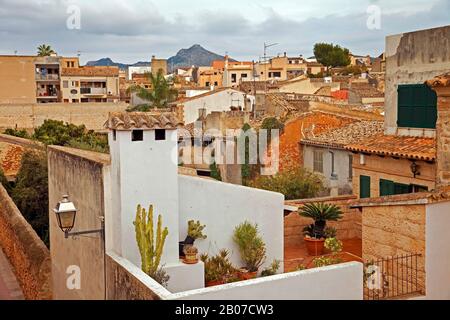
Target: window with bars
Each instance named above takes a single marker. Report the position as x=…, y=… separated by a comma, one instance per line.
x=318, y=161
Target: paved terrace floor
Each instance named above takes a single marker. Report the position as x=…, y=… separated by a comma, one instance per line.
x=9, y=287
x=297, y=255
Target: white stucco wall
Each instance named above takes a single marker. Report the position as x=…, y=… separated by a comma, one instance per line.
x=222, y=207
x=341, y=164
x=142, y=172
x=337, y=282
x=219, y=101
x=437, y=242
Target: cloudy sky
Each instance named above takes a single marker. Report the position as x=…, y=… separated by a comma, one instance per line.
x=133, y=30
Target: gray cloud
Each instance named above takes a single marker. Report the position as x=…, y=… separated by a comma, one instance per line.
x=128, y=32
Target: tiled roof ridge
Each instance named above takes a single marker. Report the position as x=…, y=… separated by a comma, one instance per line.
x=142, y=120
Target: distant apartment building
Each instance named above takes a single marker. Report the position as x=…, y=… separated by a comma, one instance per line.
x=210, y=78
x=236, y=73
x=29, y=79
x=90, y=84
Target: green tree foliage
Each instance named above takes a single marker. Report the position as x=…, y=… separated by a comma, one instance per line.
x=215, y=172
x=45, y=50
x=31, y=192
x=53, y=132
x=294, y=183
x=159, y=96
x=271, y=123
x=17, y=133
x=246, y=171
x=331, y=55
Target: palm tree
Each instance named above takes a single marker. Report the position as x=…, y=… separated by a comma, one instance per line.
x=45, y=50
x=159, y=95
x=320, y=213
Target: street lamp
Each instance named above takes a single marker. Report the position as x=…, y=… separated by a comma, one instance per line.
x=66, y=212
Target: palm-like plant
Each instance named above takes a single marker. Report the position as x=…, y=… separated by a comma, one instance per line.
x=320, y=213
x=45, y=50
x=160, y=94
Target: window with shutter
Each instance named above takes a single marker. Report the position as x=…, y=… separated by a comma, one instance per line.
x=364, y=186
x=387, y=187
x=416, y=106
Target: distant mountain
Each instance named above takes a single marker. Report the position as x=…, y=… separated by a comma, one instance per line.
x=195, y=55
x=107, y=62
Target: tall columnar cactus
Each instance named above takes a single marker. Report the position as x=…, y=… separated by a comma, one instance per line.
x=151, y=249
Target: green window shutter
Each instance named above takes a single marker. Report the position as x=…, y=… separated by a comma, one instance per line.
x=387, y=188
x=400, y=188
x=364, y=187
x=417, y=106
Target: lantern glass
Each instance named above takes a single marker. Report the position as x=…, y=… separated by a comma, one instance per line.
x=65, y=214
x=66, y=220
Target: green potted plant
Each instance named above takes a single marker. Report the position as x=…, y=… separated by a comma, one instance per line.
x=315, y=233
x=218, y=268
x=272, y=269
x=333, y=245
x=190, y=255
x=251, y=248
x=195, y=231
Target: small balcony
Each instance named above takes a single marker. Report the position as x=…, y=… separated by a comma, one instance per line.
x=47, y=77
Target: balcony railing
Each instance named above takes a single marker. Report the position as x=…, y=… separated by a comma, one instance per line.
x=47, y=77
x=93, y=91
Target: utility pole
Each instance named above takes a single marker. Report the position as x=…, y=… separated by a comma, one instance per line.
x=265, y=58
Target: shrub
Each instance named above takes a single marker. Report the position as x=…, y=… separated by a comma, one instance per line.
x=294, y=183
x=53, y=132
x=17, y=133
x=215, y=172
x=251, y=246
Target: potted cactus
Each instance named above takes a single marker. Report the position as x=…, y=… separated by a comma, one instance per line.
x=218, y=269
x=190, y=255
x=195, y=231
x=316, y=233
x=251, y=248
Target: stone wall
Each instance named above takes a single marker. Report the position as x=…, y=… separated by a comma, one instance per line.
x=392, y=230
x=25, y=251
x=443, y=137
x=347, y=228
x=29, y=116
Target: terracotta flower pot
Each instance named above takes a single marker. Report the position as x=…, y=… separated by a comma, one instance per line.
x=314, y=246
x=244, y=274
x=214, y=283
x=190, y=258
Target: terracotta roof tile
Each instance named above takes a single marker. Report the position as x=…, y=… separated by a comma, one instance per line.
x=11, y=157
x=440, y=81
x=398, y=146
x=142, y=120
x=351, y=133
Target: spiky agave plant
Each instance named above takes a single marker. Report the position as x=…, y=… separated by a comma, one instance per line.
x=320, y=213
